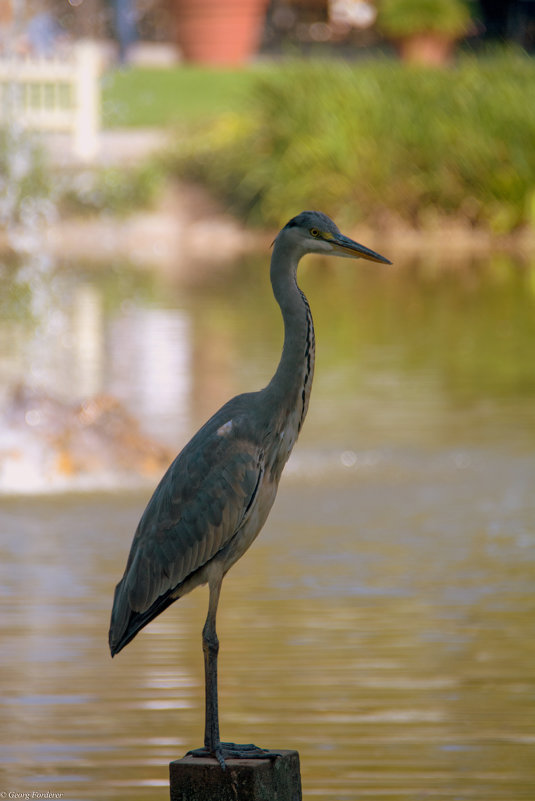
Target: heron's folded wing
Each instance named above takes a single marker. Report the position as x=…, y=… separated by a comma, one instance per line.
x=199, y=505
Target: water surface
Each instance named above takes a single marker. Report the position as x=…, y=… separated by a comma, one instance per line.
x=383, y=622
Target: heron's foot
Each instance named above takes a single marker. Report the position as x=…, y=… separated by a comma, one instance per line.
x=225, y=751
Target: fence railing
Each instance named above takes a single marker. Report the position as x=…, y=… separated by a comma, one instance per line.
x=60, y=94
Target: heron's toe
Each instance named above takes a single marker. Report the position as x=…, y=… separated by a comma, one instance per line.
x=247, y=751
x=226, y=751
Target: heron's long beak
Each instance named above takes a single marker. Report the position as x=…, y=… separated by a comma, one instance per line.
x=347, y=247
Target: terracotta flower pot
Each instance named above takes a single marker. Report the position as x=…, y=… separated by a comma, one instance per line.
x=427, y=48
x=219, y=32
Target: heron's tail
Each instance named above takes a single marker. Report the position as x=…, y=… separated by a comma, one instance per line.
x=125, y=622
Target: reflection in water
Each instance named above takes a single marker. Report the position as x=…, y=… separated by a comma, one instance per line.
x=139, y=355
x=87, y=341
x=149, y=366
x=75, y=355
x=382, y=624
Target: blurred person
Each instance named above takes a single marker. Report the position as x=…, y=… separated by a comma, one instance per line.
x=124, y=23
x=39, y=32
x=42, y=34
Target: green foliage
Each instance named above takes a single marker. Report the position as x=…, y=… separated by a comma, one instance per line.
x=401, y=18
x=364, y=139
x=111, y=190
x=25, y=184
x=29, y=194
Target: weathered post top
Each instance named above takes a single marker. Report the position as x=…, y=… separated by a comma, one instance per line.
x=199, y=779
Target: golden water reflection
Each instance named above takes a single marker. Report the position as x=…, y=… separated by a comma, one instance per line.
x=383, y=632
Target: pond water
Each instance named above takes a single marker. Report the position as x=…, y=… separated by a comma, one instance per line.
x=383, y=622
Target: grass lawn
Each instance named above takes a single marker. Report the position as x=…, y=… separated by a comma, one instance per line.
x=151, y=97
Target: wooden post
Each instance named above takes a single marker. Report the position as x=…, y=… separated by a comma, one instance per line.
x=199, y=779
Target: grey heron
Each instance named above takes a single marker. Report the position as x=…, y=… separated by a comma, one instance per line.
x=215, y=497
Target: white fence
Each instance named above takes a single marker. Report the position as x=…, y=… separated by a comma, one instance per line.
x=55, y=94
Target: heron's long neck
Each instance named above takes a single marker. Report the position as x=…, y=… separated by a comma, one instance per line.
x=292, y=382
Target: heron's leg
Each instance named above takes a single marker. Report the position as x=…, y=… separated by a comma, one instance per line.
x=212, y=742
x=210, y=646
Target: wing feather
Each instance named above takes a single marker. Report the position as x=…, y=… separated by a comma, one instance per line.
x=199, y=505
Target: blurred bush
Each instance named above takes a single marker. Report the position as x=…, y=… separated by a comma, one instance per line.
x=25, y=184
x=111, y=190
x=31, y=192
x=377, y=139
x=399, y=18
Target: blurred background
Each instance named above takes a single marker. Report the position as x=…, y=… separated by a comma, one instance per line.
x=383, y=622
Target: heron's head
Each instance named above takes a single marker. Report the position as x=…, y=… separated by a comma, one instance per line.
x=314, y=232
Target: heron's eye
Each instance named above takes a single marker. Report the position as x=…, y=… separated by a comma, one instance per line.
x=314, y=232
